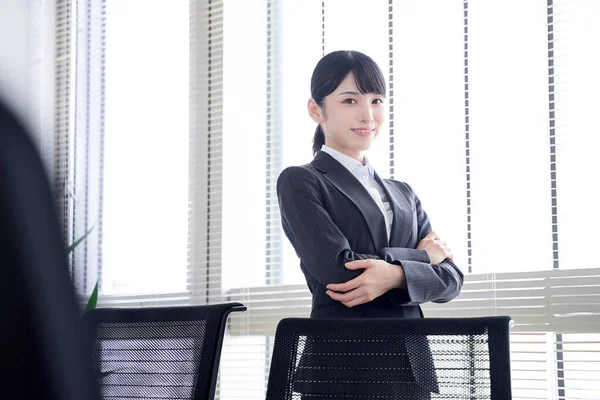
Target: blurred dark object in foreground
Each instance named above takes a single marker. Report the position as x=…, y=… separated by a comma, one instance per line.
x=44, y=354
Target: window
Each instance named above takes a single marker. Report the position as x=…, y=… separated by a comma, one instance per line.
x=491, y=114
x=145, y=197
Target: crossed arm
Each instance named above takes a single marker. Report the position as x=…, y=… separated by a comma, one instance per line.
x=380, y=277
x=406, y=276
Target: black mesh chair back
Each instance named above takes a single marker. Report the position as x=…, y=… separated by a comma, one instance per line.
x=158, y=353
x=415, y=359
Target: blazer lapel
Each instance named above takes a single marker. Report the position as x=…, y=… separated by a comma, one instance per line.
x=348, y=185
x=402, y=223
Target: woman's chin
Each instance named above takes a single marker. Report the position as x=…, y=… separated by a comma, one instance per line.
x=364, y=143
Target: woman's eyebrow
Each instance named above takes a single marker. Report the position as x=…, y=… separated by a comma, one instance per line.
x=352, y=93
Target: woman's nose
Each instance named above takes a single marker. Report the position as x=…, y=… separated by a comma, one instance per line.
x=366, y=114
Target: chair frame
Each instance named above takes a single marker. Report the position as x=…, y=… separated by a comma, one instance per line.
x=497, y=328
x=184, y=313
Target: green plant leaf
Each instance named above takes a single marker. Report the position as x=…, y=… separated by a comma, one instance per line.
x=78, y=241
x=91, y=304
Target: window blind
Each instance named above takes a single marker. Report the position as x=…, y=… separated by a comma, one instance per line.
x=62, y=168
x=75, y=145
x=88, y=143
x=205, y=248
x=491, y=151
x=573, y=84
x=47, y=84
x=481, y=122
x=540, y=301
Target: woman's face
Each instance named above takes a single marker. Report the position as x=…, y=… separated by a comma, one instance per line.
x=350, y=119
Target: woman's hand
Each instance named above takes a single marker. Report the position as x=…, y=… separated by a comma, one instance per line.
x=378, y=278
x=436, y=248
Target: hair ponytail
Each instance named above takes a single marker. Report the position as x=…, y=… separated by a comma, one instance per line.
x=318, y=139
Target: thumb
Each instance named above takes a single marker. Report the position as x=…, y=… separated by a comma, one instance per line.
x=432, y=235
x=357, y=264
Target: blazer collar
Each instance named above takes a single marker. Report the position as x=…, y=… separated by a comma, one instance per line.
x=348, y=185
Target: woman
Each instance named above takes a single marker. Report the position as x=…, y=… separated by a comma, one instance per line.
x=365, y=244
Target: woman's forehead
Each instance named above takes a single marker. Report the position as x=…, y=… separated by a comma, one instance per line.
x=348, y=84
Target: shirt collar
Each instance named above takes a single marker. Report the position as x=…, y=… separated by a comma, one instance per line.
x=348, y=162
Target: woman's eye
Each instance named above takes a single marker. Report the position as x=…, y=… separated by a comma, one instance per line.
x=378, y=101
x=349, y=101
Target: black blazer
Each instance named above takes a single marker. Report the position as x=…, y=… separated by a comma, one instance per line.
x=330, y=219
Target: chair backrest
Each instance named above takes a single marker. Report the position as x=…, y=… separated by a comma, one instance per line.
x=158, y=353
x=427, y=358
x=44, y=354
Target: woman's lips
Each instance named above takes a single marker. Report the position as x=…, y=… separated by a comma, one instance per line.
x=363, y=131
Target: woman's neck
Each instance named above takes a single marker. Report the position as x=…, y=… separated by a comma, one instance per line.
x=357, y=155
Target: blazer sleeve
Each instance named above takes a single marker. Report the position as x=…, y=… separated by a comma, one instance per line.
x=318, y=242
x=425, y=281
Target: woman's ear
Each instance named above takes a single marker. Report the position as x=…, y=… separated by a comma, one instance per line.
x=315, y=112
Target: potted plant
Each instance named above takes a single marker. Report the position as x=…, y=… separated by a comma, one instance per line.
x=93, y=300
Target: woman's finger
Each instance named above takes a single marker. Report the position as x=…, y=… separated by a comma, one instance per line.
x=345, y=297
x=355, y=302
x=358, y=264
x=346, y=286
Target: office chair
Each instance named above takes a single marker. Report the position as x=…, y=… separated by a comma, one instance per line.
x=427, y=358
x=158, y=353
x=44, y=355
